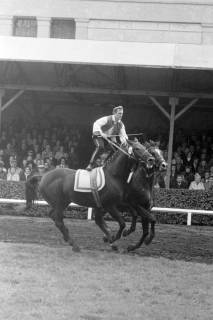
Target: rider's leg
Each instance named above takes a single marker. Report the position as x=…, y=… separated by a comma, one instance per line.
x=99, y=144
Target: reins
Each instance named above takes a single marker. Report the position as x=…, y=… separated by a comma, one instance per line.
x=119, y=148
x=125, y=152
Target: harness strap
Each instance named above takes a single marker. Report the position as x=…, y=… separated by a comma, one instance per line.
x=94, y=189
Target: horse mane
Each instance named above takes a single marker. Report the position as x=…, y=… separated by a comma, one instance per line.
x=111, y=158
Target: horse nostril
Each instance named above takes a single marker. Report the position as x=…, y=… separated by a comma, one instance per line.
x=164, y=165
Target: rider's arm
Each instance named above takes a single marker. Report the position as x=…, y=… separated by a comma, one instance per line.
x=97, y=126
x=123, y=135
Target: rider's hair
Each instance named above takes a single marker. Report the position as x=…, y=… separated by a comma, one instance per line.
x=116, y=109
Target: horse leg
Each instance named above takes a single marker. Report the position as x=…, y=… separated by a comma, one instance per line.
x=132, y=228
x=99, y=220
x=146, y=218
x=151, y=236
x=57, y=217
x=115, y=213
x=145, y=226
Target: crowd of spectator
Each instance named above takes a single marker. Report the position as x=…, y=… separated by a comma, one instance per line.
x=26, y=151
x=192, y=162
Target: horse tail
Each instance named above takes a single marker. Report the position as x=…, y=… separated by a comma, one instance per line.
x=31, y=189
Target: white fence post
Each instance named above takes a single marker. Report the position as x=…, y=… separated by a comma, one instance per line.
x=89, y=214
x=189, y=218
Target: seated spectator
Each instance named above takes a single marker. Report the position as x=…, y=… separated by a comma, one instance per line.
x=210, y=163
x=25, y=174
x=46, y=152
x=179, y=165
x=208, y=184
x=24, y=164
x=202, y=167
x=197, y=184
x=2, y=155
x=188, y=175
x=173, y=175
x=13, y=173
x=188, y=160
x=3, y=171
x=62, y=164
x=195, y=164
x=60, y=154
x=38, y=160
x=48, y=163
x=179, y=183
x=73, y=159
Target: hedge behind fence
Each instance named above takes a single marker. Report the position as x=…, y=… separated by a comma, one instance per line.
x=184, y=199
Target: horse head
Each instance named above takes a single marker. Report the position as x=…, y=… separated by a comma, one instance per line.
x=153, y=148
x=140, y=153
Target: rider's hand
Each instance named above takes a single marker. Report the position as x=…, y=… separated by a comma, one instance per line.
x=124, y=143
x=104, y=135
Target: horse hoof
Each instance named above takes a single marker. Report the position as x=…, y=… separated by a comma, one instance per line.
x=130, y=248
x=76, y=249
x=147, y=241
x=114, y=247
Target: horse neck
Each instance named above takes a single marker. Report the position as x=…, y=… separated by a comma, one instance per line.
x=119, y=166
x=142, y=179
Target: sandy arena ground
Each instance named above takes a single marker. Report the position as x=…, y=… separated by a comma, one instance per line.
x=41, y=278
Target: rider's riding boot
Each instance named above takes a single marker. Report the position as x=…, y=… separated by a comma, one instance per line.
x=92, y=160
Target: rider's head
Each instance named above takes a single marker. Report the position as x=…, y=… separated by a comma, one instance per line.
x=118, y=112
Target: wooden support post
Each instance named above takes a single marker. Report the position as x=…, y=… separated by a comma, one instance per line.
x=2, y=92
x=14, y=98
x=173, y=102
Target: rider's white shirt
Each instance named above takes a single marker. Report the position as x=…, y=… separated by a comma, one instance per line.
x=97, y=126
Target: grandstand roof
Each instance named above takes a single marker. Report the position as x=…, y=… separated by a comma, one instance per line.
x=106, y=67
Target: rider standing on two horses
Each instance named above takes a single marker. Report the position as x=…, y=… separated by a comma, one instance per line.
x=109, y=127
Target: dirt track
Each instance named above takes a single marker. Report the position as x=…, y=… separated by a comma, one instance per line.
x=41, y=278
x=172, y=241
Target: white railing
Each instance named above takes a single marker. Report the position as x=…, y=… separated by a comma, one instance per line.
x=189, y=212
x=44, y=203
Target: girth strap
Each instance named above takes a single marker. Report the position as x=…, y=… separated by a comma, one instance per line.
x=94, y=189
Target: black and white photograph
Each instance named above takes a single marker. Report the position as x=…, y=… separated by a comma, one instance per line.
x=106, y=159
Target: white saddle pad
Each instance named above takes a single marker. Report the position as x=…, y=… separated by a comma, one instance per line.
x=82, y=180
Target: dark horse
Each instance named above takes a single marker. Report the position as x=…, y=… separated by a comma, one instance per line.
x=57, y=188
x=138, y=197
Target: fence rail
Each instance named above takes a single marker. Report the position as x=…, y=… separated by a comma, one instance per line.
x=189, y=212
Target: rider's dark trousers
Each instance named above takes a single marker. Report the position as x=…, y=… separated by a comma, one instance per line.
x=101, y=145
